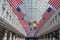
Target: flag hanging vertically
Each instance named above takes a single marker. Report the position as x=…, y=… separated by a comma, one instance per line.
x=15, y=3
x=46, y=16
x=54, y=3
x=19, y=13
x=48, y=13
x=25, y=25
x=15, y=6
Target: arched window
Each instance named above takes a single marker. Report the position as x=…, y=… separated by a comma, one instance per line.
x=53, y=20
x=9, y=17
x=56, y=18
x=51, y=23
x=7, y=14
x=3, y=9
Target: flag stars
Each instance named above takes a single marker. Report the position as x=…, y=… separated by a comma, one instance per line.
x=18, y=9
x=49, y=9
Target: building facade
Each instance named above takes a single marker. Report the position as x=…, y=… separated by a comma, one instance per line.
x=10, y=27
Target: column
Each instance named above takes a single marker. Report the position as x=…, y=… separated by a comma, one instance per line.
x=22, y=38
x=10, y=38
x=59, y=34
x=17, y=37
x=53, y=38
x=44, y=38
x=5, y=35
x=14, y=37
x=47, y=37
x=54, y=34
x=1, y=33
x=50, y=38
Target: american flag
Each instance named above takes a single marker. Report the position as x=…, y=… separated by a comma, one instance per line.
x=16, y=9
x=54, y=3
x=25, y=25
x=15, y=3
x=15, y=6
x=48, y=13
x=19, y=13
x=46, y=16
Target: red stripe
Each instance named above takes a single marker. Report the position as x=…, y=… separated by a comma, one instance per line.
x=14, y=3
x=11, y=3
x=25, y=25
x=54, y=3
x=19, y=2
x=58, y=4
x=20, y=14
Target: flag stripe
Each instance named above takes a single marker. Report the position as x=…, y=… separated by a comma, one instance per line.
x=19, y=2
x=58, y=4
x=54, y=3
x=11, y=3
x=25, y=25
x=20, y=14
x=14, y=3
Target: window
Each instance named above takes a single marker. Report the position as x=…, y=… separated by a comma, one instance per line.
x=12, y=20
x=10, y=17
x=59, y=17
x=7, y=14
x=56, y=17
x=53, y=20
x=3, y=8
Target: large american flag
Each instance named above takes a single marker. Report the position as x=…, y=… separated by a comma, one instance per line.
x=18, y=13
x=46, y=16
x=15, y=3
x=49, y=12
x=25, y=25
x=54, y=3
x=16, y=9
